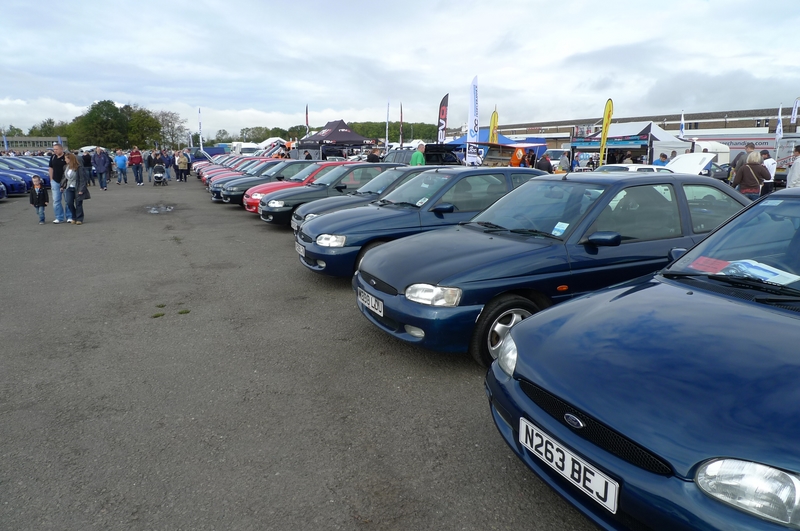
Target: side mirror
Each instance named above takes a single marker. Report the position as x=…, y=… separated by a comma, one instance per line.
x=705, y=172
x=279, y=177
x=604, y=238
x=443, y=208
x=341, y=187
x=675, y=253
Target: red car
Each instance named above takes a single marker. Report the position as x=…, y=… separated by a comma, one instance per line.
x=253, y=195
x=219, y=161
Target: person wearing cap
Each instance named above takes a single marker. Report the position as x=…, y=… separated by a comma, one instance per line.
x=793, y=177
x=771, y=165
x=662, y=160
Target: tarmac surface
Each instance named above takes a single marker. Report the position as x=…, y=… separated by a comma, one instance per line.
x=261, y=399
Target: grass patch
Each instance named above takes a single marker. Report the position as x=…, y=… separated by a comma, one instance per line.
x=157, y=315
x=160, y=305
x=184, y=312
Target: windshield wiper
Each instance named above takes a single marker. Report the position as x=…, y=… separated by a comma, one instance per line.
x=490, y=227
x=404, y=203
x=534, y=232
x=742, y=281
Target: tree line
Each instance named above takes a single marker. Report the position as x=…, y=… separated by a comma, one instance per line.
x=106, y=124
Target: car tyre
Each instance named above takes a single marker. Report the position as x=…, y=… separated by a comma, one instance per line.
x=493, y=326
x=364, y=249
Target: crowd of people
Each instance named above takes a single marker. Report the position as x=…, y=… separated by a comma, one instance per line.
x=72, y=173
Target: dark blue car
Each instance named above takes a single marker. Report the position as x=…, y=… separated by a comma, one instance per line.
x=554, y=238
x=335, y=243
x=378, y=187
x=670, y=402
x=3, y=193
x=15, y=184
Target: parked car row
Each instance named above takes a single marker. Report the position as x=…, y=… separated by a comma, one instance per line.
x=650, y=386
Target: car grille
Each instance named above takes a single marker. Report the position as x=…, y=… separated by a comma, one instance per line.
x=305, y=237
x=597, y=433
x=378, y=284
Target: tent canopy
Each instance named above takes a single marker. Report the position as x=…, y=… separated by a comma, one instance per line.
x=483, y=137
x=339, y=133
x=630, y=135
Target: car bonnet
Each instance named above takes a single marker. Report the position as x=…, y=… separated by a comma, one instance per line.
x=453, y=255
x=687, y=374
x=363, y=219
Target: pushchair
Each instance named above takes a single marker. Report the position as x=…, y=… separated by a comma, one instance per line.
x=159, y=175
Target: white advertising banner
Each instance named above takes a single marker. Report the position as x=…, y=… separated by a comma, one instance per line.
x=473, y=127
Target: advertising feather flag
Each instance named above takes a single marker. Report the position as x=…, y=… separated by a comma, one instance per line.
x=442, y=120
x=473, y=126
x=5, y=142
x=607, y=113
x=200, y=127
x=680, y=134
x=307, y=129
x=794, y=111
x=779, y=128
x=493, y=126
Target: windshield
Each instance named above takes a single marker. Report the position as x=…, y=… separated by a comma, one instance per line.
x=333, y=175
x=420, y=189
x=257, y=169
x=303, y=174
x=546, y=206
x=609, y=167
x=276, y=169
x=762, y=243
x=381, y=182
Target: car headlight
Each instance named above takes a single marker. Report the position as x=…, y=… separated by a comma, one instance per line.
x=310, y=216
x=507, y=357
x=233, y=189
x=275, y=204
x=18, y=179
x=257, y=196
x=757, y=489
x=330, y=240
x=433, y=295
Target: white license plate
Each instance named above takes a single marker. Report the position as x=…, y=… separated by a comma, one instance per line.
x=259, y=211
x=300, y=249
x=373, y=303
x=293, y=224
x=584, y=476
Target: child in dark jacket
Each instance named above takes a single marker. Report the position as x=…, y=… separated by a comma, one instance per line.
x=39, y=198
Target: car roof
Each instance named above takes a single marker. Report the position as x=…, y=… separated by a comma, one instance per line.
x=458, y=170
x=614, y=177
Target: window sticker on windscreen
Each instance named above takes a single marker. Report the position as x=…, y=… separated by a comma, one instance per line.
x=744, y=268
x=559, y=229
x=422, y=201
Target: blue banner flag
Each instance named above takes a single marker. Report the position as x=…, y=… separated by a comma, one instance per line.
x=5, y=141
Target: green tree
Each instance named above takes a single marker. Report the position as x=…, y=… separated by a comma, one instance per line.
x=295, y=131
x=282, y=133
x=223, y=136
x=144, y=129
x=103, y=124
x=44, y=128
x=11, y=130
x=173, y=128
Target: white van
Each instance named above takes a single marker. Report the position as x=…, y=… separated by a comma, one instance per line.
x=244, y=148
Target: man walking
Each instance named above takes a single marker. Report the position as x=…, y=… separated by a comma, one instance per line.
x=741, y=158
x=135, y=161
x=102, y=165
x=86, y=167
x=56, y=170
x=122, y=167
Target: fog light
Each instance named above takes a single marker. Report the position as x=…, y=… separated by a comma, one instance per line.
x=321, y=263
x=414, y=331
x=269, y=217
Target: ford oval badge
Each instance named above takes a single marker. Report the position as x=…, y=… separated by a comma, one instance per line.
x=573, y=421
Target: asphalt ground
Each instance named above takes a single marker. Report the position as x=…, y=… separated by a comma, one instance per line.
x=269, y=403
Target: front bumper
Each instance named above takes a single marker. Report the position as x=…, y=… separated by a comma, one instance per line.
x=232, y=197
x=446, y=329
x=647, y=501
x=251, y=205
x=276, y=216
x=339, y=261
x=216, y=195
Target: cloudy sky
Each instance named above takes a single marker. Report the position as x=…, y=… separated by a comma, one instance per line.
x=257, y=63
